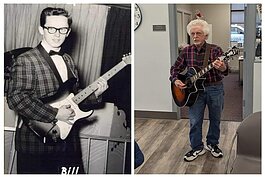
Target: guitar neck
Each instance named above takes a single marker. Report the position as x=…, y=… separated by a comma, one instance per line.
x=201, y=73
x=94, y=86
x=205, y=70
x=229, y=53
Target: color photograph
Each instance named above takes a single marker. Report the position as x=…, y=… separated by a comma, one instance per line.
x=197, y=88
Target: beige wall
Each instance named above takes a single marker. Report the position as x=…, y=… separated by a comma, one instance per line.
x=216, y=14
x=184, y=7
x=219, y=16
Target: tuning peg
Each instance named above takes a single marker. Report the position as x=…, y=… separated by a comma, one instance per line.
x=126, y=55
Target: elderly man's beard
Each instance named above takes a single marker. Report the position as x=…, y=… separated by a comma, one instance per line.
x=198, y=42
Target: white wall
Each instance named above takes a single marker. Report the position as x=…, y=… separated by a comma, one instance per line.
x=152, y=60
x=257, y=87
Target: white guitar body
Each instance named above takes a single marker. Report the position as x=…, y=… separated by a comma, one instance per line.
x=64, y=127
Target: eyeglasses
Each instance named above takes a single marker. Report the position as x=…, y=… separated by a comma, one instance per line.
x=197, y=33
x=53, y=30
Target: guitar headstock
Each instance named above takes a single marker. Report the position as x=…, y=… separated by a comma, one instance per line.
x=127, y=58
x=229, y=53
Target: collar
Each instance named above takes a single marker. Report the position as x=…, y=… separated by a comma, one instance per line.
x=48, y=48
x=202, y=48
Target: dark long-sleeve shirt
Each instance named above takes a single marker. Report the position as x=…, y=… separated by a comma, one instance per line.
x=192, y=57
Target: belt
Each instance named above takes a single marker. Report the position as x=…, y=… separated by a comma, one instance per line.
x=213, y=83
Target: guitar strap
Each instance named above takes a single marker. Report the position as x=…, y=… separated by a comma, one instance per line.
x=206, y=56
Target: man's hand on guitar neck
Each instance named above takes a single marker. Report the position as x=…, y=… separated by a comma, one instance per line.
x=180, y=84
x=102, y=86
x=220, y=65
x=65, y=114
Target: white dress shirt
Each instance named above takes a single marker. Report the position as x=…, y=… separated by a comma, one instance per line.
x=58, y=61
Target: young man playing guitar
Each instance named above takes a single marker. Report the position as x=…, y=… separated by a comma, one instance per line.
x=212, y=94
x=36, y=75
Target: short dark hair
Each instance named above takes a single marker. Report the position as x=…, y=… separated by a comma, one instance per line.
x=50, y=11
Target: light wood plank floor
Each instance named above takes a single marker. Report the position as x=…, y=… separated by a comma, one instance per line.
x=164, y=143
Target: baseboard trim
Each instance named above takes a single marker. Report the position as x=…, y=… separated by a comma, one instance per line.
x=155, y=114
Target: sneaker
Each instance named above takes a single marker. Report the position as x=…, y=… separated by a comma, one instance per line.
x=193, y=154
x=215, y=150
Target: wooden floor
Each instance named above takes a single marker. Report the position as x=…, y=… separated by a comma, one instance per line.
x=165, y=142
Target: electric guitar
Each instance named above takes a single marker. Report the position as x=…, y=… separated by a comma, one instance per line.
x=61, y=129
x=191, y=77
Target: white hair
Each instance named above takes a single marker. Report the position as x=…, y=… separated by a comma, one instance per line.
x=199, y=22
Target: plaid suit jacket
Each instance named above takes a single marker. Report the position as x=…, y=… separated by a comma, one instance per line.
x=32, y=80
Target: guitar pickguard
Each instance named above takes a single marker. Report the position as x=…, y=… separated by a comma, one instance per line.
x=79, y=114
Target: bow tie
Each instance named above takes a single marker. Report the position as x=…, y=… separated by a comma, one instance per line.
x=52, y=52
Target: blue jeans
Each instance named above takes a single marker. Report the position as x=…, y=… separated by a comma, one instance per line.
x=213, y=97
x=138, y=155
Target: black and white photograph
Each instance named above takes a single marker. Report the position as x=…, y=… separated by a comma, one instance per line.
x=67, y=88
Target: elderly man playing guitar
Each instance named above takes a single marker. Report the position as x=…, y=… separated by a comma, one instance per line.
x=194, y=61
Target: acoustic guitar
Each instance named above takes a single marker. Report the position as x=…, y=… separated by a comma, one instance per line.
x=192, y=78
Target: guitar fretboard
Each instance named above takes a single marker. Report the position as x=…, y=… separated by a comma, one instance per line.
x=204, y=70
x=94, y=86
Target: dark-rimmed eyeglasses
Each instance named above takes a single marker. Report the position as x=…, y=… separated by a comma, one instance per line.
x=53, y=30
